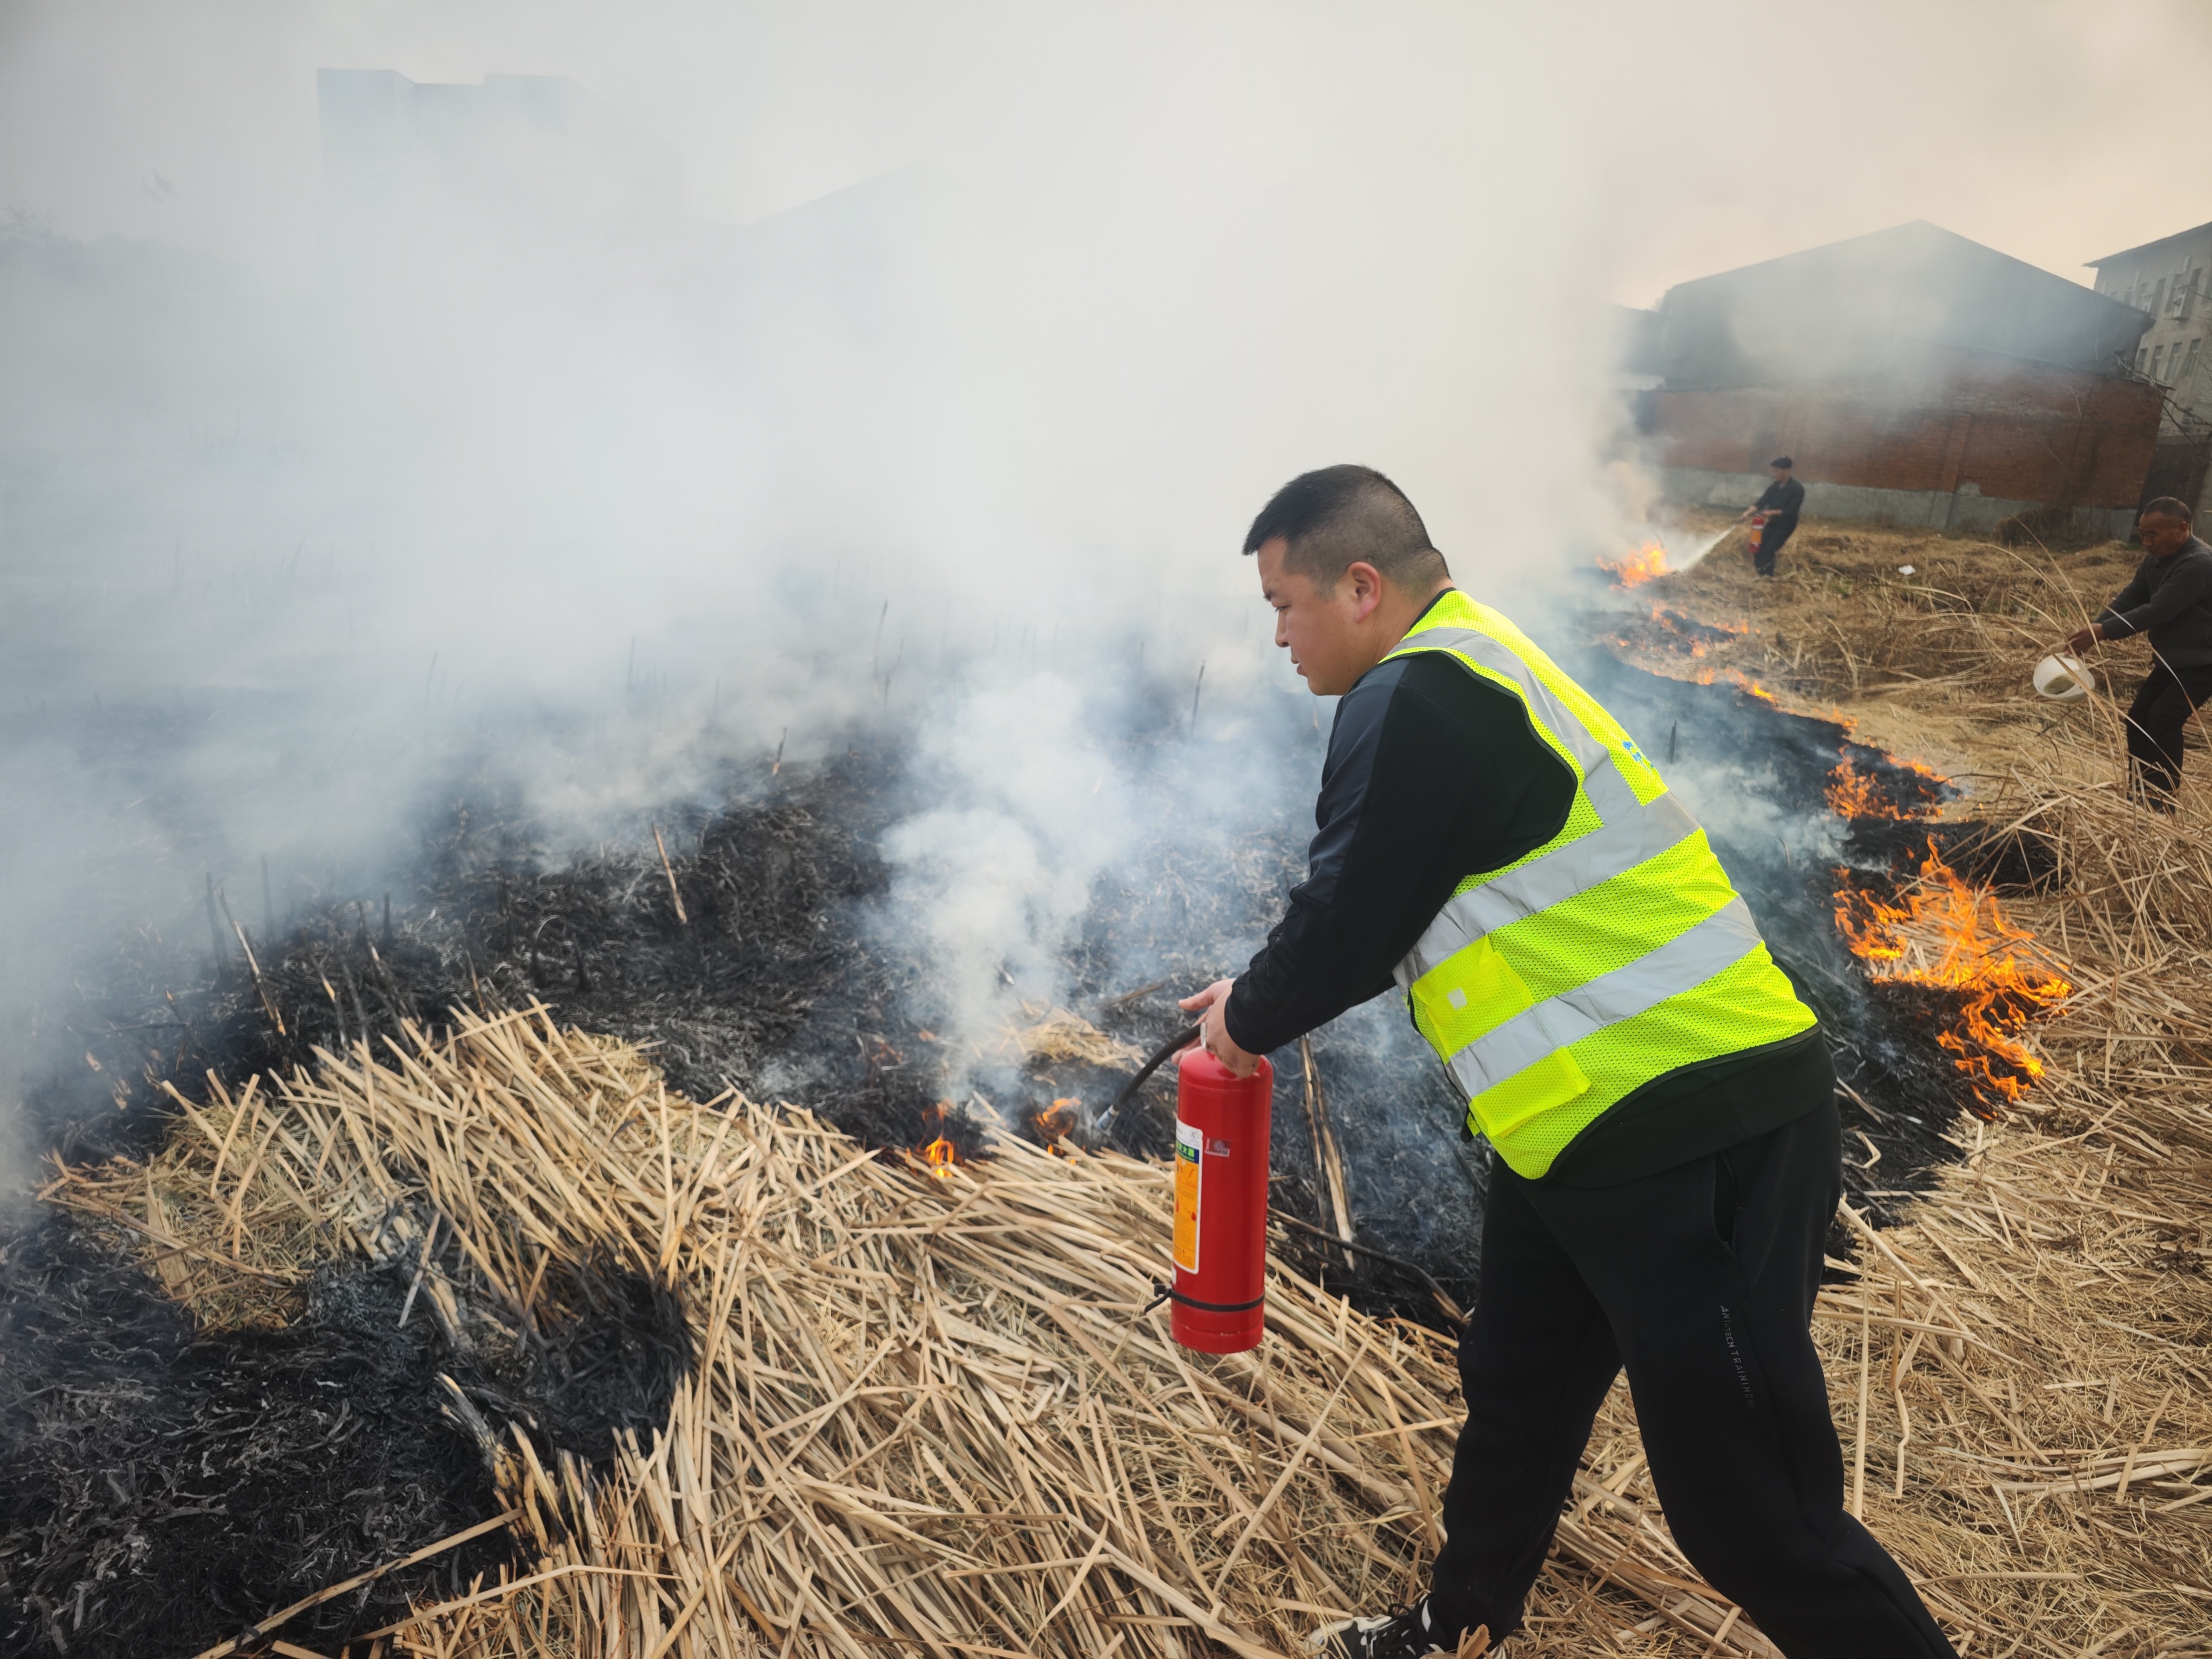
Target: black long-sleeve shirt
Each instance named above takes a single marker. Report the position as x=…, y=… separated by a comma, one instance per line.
x=2171, y=600
x=1782, y=500
x=1433, y=776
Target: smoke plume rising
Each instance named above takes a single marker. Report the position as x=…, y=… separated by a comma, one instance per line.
x=802, y=369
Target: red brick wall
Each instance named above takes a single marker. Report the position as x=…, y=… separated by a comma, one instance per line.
x=2019, y=430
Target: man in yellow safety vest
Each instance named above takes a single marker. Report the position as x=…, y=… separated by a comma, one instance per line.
x=1660, y=1103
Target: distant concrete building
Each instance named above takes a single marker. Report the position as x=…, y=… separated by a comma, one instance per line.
x=1915, y=376
x=2171, y=281
x=2166, y=279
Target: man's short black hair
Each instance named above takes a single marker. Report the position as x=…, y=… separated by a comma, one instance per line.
x=2171, y=507
x=1331, y=518
x=1782, y=461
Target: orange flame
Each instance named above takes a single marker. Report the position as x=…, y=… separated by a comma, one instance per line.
x=1682, y=637
x=1744, y=682
x=1851, y=794
x=1057, y=1120
x=941, y=1154
x=1950, y=936
x=1638, y=568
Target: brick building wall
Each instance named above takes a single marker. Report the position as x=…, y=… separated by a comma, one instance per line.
x=1997, y=428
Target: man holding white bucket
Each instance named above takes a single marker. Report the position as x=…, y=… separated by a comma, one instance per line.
x=2170, y=599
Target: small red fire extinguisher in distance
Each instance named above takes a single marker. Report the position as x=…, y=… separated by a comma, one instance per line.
x=1220, y=1203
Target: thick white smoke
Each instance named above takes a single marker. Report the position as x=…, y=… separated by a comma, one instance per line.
x=850, y=362
x=1036, y=809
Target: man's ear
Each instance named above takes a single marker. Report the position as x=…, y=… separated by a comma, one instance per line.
x=1366, y=588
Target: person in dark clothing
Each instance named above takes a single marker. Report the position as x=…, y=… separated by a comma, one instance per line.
x=2170, y=599
x=1678, y=1231
x=1781, y=502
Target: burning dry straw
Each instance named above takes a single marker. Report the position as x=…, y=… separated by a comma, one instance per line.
x=935, y=1414
x=1945, y=934
x=2027, y=1394
x=1634, y=569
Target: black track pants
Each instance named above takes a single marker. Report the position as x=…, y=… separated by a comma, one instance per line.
x=2163, y=704
x=1772, y=535
x=1700, y=1279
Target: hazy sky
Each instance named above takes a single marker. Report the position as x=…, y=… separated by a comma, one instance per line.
x=1698, y=136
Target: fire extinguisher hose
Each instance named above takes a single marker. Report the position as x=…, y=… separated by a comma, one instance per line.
x=1451, y=1308
x=1103, y=1129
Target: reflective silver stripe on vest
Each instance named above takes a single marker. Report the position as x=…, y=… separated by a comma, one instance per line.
x=1625, y=841
x=1607, y=790
x=1496, y=654
x=1720, y=941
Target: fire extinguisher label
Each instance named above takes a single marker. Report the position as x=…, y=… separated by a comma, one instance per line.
x=1190, y=1167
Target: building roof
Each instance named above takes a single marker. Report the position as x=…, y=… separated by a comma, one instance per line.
x=1852, y=306
x=2145, y=247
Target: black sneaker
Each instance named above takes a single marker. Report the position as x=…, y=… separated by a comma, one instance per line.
x=1404, y=1635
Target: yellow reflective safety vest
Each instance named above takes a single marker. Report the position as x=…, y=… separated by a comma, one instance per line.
x=1613, y=954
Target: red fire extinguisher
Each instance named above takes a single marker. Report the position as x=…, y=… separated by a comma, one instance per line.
x=1220, y=1203
x=1758, y=529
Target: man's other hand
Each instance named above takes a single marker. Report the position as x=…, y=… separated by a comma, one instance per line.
x=2082, y=638
x=1209, y=1005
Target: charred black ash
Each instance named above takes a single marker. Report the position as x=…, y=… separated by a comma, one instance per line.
x=1663, y=632
x=1904, y=1095
x=602, y=1353
x=2007, y=859
x=247, y=1414
x=160, y=1492
x=163, y=1480
x=768, y=981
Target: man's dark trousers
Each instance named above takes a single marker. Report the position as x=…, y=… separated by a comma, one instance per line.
x=2163, y=704
x=1701, y=1279
x=1771, y=535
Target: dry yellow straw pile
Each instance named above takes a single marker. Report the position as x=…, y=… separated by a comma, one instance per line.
x=927, y=1417
x=931, y=1413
